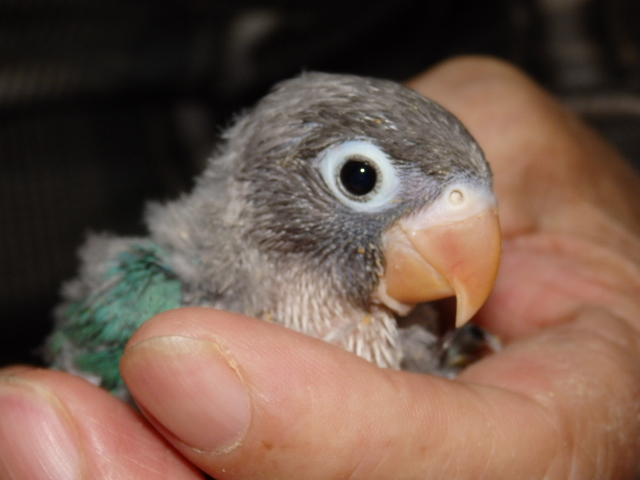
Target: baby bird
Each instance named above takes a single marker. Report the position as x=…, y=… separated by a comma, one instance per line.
x=334, y=207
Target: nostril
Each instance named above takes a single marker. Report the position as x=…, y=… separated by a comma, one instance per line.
x=456, y=197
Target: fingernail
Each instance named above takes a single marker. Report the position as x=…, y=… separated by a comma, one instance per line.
x=191, y=388
x=37, y=438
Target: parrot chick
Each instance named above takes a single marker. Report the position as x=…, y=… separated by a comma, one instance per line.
x=337, y=205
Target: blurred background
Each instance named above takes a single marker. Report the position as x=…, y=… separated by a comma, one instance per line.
x=106, y=104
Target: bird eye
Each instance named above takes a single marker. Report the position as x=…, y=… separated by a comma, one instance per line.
x=360, y=175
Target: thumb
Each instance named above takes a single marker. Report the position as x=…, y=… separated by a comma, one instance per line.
x=242, y=398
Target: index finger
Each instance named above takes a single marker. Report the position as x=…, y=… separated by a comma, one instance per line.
x=569, y=203
x=550, y=168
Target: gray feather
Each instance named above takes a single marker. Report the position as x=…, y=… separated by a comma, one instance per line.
x=262, y=234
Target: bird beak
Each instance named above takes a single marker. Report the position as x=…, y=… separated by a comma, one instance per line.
x=451, y=248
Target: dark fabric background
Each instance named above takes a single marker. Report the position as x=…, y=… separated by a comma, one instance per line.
x=106, y=104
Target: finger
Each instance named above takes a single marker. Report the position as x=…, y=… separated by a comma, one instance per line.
x=550, y=168
x=56, y=426
x=568, y=204
x=243, y=398
x=585, y=373
x=546, y=280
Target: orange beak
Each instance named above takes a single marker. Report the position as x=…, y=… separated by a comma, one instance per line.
x=452, y=248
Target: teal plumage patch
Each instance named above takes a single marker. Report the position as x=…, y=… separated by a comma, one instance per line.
x=137, y=285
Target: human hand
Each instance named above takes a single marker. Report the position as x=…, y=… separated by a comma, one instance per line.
x=242, y=398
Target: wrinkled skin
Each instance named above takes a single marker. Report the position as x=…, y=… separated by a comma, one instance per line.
x=562, y=401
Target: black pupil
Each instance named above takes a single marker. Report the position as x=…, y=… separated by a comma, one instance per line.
x=358, y=177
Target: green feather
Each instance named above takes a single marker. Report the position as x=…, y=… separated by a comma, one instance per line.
x=137, y=285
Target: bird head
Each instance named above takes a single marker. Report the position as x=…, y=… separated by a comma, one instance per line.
x=381, y=192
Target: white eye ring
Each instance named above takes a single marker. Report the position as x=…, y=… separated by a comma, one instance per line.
x=387, y=182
